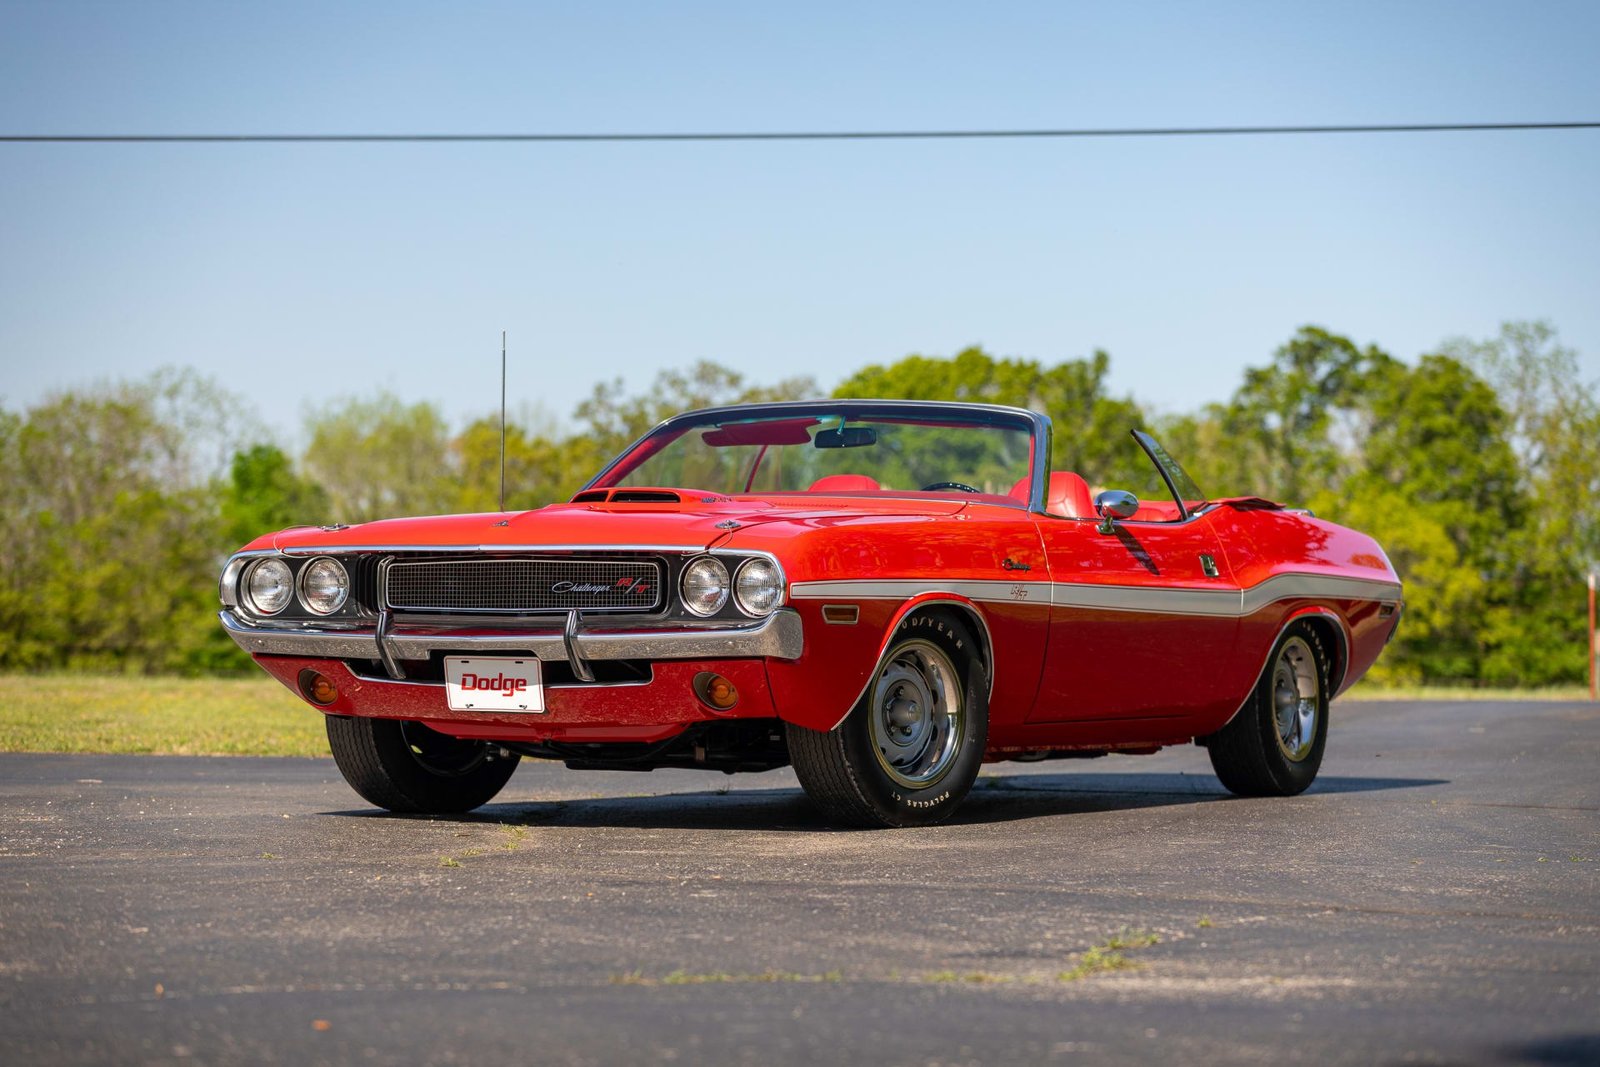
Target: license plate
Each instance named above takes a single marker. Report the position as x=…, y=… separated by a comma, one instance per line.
x=493, y=683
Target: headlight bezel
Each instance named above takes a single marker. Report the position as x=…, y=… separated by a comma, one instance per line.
x=777, y=584
x=683, y=583
x=304, y=596
x=247, y=595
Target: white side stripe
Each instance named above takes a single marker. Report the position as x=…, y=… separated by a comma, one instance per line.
x=1149, y=599
x=867, y=589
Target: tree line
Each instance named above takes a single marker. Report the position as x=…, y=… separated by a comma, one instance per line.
x=1477, y=467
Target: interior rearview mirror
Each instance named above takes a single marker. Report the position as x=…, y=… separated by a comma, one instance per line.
x=846, y=437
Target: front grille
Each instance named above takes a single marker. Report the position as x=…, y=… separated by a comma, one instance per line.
x=525, y=586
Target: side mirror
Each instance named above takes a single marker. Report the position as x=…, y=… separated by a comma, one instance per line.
x=1114, y=504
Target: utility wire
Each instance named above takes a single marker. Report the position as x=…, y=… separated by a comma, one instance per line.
x=838, y=135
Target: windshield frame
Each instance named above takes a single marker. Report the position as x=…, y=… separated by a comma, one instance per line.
x=1172, y=473
x=1035, y=424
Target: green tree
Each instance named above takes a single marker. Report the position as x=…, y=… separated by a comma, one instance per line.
x=381, y=458
x=611, y=419
x=111, y=533
x=1292, y=425
x=538, y=471
x=265, y=494
x=1090, y=427
x=1554, y=429
x=1438, y=487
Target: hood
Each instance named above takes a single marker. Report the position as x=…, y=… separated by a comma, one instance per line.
x=668, y=519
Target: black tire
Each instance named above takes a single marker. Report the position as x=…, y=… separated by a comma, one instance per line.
x=1268, y=750
x=410, y=769
x=899, y=771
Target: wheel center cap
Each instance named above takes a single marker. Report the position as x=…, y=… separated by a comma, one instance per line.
x=904, y=713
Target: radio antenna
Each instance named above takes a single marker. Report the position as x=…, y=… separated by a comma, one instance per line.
x=502, y=420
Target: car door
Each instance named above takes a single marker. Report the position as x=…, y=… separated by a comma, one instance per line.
x=1142, y=617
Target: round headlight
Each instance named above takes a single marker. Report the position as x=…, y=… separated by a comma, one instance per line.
x=705, y=586
x=268, y=586
x=324, y=586
x=757, y=587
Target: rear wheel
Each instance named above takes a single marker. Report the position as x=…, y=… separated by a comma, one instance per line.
x=409, y=768
x=1274, y=746
x=908, y=752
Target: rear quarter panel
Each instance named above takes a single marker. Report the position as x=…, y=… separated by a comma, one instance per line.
x=1268, y=550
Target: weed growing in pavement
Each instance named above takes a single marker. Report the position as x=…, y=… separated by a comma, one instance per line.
x=1126, y=938
x=1108, y=955
x=1097, y=959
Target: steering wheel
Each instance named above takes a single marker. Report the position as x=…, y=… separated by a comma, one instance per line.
x=963, y=486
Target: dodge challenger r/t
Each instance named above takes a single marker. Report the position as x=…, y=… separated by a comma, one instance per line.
x=884, y=594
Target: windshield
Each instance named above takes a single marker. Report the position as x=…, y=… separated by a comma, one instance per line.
x=836, y=448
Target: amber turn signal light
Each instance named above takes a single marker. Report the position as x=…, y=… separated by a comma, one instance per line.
x=715, y=691
x=318, y=688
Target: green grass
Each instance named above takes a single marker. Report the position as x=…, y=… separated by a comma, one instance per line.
x=1108, y=955
x=1374, y=691
x=163, y=716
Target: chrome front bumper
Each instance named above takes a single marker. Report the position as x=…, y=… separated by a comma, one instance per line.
x=778, y=636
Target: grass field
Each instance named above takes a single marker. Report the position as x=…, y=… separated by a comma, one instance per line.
x=166, y=716
x=258, y=717
x=1363, y=691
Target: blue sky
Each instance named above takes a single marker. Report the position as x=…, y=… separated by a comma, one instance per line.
x=300, y=273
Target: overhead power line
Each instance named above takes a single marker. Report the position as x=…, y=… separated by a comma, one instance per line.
x=821, y=135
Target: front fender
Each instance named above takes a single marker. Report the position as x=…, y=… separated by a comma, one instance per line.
x=820, y=688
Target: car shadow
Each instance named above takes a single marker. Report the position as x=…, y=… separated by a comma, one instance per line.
x=1560, y=1051
x=1006, y=798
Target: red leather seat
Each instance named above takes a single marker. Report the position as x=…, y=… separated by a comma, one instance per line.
x=1069, y=495
x=844, y=483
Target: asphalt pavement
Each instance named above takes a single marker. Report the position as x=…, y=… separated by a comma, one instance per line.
x=1434, y=898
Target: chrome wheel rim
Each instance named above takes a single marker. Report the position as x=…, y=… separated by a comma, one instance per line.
x=916, y=715
x=1296, y=699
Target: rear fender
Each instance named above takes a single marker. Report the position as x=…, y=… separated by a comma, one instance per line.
x=1339, y=649
x=1328, y=620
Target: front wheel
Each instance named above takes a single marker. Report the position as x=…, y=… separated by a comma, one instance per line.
x=1273, y=747
x=409, y=768
x=908, y=752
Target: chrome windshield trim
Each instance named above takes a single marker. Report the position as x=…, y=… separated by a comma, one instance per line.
x=1038, y=423
x=779, y=636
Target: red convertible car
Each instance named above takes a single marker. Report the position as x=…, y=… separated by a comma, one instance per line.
x=885, y=594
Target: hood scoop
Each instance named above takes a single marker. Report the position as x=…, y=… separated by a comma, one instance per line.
x=626, y=496
x=647, y=496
